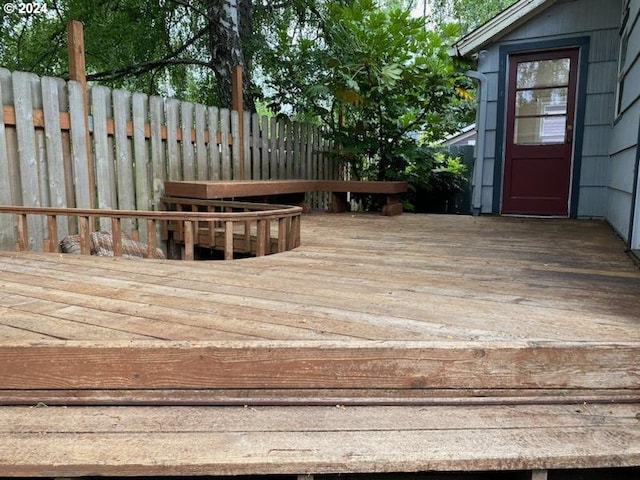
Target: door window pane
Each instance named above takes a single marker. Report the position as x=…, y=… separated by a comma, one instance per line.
x=543, y=73
x=541, y=97
x=540, y=130
x=542, y=101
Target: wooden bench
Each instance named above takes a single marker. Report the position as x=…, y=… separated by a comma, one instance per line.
x=211, y=190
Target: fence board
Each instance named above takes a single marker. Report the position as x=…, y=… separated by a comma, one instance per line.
x=173, y=157
x=158, y=165
x=27, y=156
x=188, y=156
x=237, y=174
x=7, y=234
x=273, y=148
x=201, y=149
x=105, y=171
x=246, y=140
x=255, y=146
x=225, y=163
x=214, y=146
x=55, y=159
x=141, y=158
x=157, y=162
x=79, y=160
x=289, y=148
x=124, y=158
x=264, y=147
x=282, y=167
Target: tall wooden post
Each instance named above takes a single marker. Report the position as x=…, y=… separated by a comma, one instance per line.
x=238, y=106
x=78, y=73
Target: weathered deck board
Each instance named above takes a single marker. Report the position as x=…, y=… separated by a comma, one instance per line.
x=426, y=278
x=452, y=334
x=315, y=365
x=298, y=440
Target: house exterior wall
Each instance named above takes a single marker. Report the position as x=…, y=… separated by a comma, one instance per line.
x=622, y=184
x=594, y=25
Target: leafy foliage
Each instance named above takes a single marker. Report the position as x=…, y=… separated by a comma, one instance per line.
x=468, y=14
x=379, y=81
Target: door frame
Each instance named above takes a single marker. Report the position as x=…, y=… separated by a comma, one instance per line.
x=582, y=44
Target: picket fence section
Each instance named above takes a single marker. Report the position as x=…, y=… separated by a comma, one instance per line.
x=137, y=142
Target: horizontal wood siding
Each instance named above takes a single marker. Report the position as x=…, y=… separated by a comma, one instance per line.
x=564, y=20
x=138, y=142
x=624, y=143
x=488, y=64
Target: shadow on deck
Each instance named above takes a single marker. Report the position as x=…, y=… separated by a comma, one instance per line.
x=382, y=344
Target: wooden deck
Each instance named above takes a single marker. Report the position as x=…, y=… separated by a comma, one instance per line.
x=382, y=344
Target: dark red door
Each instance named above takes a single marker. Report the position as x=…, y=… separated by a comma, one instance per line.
x=539, y=135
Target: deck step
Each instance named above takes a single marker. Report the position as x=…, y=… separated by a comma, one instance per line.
x=317, y=372
x=160, y=441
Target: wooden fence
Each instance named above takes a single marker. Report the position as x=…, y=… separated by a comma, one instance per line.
x=136, y=143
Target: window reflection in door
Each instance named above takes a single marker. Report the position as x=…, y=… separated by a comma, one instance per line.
x=542, y=89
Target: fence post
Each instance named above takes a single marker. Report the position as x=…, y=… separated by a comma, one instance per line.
x=77, y=72
x=238, y=106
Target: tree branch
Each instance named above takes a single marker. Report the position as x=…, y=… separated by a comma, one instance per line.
x=144, y=68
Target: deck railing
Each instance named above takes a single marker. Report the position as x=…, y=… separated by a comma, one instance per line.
x=226, y=226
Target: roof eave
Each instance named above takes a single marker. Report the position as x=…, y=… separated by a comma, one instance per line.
x=498, y=26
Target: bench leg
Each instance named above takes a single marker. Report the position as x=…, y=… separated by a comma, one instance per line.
x=393, y=206
x=339, y=202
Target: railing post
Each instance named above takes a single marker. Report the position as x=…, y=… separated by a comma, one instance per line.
x=23, y=240
x=116, y=236
x=261, y=248
x=151, y=238
x=85, y=248
x=52, y=234
x=228, y=240
x=188, y=240
x=282, y=234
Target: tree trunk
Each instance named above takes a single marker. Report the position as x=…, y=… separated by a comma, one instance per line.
x=227, y=29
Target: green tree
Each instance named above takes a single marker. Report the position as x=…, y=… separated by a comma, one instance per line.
x=468, y=14
x=186, y=48
x=377, y=79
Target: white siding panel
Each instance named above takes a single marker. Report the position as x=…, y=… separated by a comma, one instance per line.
x=599, y=109
x=570, y=17
x=596, y=140
x=631, y=86
x=593, y=202
x=635, y=244
x=602, y=78
x=633, y=47
x=594, y=171
x=489, y=60
x=607, y=42
x=625, y=130
x=487, y=174
x=619, y=211
x=621, y=171
x=492, y=88
x=487, y=200
x=490, y=144
x=491, y=120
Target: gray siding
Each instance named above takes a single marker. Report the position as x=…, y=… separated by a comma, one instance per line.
x=488, y=64
x=568, y=19
x=624, y=141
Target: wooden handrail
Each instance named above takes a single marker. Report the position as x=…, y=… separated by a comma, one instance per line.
x=187, y=222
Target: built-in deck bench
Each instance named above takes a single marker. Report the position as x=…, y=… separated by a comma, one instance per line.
x=263, y=189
